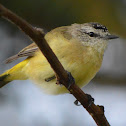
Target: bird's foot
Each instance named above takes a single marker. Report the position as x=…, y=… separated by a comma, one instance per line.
x=90, y=99
x=77, y=103
x=50, y=78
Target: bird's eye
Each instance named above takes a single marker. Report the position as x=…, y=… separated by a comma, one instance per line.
x=91, y=34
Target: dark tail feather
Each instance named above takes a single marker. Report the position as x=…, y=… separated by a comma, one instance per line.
x=3, y=80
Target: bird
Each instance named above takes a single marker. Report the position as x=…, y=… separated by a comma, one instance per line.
x=80, y=49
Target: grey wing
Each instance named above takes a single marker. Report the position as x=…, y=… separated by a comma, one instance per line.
x=26, y=52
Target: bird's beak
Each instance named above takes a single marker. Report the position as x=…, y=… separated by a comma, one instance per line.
x=111, y=37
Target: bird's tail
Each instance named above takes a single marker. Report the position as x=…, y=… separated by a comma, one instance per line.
x=15, y=73
x=3, y=80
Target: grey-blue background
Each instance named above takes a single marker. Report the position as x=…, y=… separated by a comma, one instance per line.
x=24, y=104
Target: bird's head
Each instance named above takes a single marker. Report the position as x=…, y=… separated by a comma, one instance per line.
x=92, y=34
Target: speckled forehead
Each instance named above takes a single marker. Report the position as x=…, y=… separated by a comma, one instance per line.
x=98, y=26
x=89, y=27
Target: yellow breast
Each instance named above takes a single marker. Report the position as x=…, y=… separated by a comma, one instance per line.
x=83, y=63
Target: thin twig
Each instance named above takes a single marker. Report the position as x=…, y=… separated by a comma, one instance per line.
x=63, y=77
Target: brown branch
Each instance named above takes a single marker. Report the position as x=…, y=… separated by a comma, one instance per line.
x=63, y=77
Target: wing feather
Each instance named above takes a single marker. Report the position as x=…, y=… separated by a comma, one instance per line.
x=26, y=52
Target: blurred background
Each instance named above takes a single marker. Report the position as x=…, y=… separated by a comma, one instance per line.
x=23, y=104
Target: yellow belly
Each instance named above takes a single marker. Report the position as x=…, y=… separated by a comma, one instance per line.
x=83, y=70
x=82, y=62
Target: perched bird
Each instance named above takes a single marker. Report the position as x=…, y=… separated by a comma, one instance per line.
x=80, y=49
